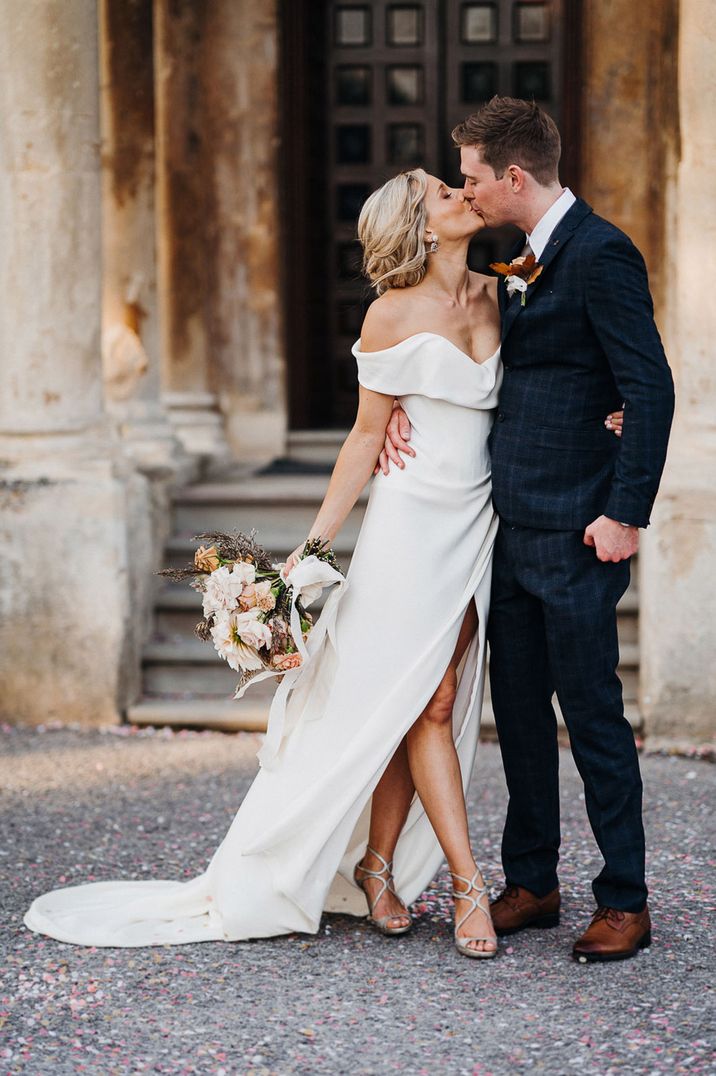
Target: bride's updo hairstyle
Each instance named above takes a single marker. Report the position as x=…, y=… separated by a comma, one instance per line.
x=391, y=229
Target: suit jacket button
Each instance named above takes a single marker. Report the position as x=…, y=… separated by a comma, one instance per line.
x=500, y=417
x=506, y=366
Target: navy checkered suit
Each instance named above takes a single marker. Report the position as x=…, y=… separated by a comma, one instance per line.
x=584, y=342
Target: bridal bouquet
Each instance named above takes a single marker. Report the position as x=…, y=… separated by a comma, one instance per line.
x=256, y=617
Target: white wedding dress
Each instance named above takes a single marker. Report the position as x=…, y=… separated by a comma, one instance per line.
x=424, y=552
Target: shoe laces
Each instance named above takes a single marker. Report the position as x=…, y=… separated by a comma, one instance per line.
x=510, y=893
x=608, y=913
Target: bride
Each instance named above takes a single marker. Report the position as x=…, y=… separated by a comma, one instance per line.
x=365, y=791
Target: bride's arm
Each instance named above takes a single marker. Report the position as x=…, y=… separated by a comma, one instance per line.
x=353, y=468
x=385, y=324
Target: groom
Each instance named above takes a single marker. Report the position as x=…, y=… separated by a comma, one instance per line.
x=571, y=499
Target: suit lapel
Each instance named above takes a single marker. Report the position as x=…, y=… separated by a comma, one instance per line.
x=555, y=245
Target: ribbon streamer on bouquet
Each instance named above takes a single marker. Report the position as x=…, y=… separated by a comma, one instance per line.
x=307, y=579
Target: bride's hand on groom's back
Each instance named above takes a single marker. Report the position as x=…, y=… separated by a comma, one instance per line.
x=397, y=435
x=615, y=422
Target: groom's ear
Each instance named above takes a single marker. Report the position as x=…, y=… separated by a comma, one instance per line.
x=516, y=177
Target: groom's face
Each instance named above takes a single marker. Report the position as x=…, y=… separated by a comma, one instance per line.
x=489, y=197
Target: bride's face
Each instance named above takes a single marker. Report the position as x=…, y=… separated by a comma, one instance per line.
x=450, y=214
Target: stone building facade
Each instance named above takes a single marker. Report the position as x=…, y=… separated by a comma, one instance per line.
x=172, y=284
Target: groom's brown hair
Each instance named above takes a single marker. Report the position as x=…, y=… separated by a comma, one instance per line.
x=510, y=131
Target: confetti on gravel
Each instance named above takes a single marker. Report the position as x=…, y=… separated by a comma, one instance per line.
x=80, y=805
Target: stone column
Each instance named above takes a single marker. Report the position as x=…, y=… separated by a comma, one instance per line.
x=64, y=489
x=131, y=342
x=629, y=124
x=182, y=154
x=130, y=314
x=239, y=89
x=678, y=594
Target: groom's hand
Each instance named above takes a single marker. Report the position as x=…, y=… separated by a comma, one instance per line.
x=612, y=541
x=397, y=435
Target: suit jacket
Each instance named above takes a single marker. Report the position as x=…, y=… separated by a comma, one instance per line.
x=584, y=342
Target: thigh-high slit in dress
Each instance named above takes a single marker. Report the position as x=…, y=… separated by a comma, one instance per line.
x=424, y=552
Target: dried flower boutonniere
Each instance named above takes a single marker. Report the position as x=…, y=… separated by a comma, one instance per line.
x=519, y=274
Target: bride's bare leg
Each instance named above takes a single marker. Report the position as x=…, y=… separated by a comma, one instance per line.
x=391, y=802
x=435, y=769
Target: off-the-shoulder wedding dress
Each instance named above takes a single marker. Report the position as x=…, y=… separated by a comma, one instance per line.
x=423, y=554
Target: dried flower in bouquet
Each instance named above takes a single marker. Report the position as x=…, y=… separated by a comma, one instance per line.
x=249, y=607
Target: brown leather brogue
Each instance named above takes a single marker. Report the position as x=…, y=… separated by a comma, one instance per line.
x=613, y=935
x=516, y=908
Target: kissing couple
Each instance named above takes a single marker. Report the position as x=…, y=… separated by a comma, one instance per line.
x=506, y=500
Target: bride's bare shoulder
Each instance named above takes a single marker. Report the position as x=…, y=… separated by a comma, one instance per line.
x=384, y=322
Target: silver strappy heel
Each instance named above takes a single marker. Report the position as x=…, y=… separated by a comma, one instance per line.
x=381, y=922
x=462, y=944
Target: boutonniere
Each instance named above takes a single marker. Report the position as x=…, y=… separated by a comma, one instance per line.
x=519, y=274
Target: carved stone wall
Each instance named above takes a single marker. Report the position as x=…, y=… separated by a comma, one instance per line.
x=678, y=602
x=630, y=128
x=219, y=224
x=648, y=157
x=67, y=493
x=175, y=250
x=240, y=122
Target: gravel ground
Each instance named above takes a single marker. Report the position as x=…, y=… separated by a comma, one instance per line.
x=81, y=805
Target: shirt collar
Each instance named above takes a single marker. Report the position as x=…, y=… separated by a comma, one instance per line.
x=544, y=227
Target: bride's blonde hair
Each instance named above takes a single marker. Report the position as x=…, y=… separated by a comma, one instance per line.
x=391, y=229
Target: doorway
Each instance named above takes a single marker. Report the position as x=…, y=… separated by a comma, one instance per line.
x=369, y=89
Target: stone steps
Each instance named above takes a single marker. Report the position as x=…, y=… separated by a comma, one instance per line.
x=178, y=607
x=250, y=713
x=186, y=665
x=227, y=715
x=315, y=446
x=264, y=504
x=184, y=680
x=278, y=542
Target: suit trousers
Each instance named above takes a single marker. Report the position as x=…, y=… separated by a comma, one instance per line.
x=553, y=629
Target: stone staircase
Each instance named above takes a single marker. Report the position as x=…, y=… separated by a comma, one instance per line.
x=185, y=683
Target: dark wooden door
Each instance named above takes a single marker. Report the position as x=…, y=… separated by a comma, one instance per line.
x=370, y=89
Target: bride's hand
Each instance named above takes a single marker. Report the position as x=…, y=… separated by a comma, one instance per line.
x=397, y=435
x=614, y=422
x=292, y=559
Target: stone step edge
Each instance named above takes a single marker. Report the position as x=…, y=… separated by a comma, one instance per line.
x=306, y=490
x=247, y=716
x=317, y=437
x=272, y=541
x=232, y=716
x=188, y=652
x=180, y=596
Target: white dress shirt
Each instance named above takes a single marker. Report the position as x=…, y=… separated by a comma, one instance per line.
x=544, y=227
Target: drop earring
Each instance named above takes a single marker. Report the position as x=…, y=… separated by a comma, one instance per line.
x=433, y=243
